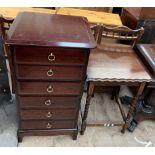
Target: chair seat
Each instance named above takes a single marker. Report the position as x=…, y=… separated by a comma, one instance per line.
x=116, y=63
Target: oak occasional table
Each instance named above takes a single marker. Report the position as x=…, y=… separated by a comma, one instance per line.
x=49, y=57
x=114, y=67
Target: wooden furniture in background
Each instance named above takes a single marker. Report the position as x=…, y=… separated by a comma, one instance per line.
x=5, y=93
x=145, y=107
x=11, y=12
x=99, y=9
x=93, y=17
x=115, y=65
x=4, y=27
x=50, y=61
x=140, y=17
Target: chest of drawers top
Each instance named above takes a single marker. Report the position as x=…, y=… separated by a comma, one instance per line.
x=50, y=30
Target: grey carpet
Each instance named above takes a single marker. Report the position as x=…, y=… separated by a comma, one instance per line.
x=102, y=108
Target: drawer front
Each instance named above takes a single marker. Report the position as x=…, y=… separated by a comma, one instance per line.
x=51, y=88
x=48, y=102
x=50, y=72
x=50, y=55
x=55, y=114
x=47, y=124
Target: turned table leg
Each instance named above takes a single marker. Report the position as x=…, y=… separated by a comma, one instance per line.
x=132, y=107
x=84, y=117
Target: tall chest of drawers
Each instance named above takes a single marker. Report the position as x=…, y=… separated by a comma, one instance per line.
x=49, y=57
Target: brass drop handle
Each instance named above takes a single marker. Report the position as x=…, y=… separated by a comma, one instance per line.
x=49, y=89
x=48, y=102
x=49, y=115
x=49, y=126
x=50, y=72
x=51, y=57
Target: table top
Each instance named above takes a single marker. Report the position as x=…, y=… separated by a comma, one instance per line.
x=11, y=12
x=115, y=64
x=93, y=16
x=50, y=30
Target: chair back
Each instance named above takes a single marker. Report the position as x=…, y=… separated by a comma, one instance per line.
x=95, y=30
x=118, y=33
x=5, y=25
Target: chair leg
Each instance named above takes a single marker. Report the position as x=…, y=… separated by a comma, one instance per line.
x=132, y=107
x=92, y=94
x=84, y=118
x=115, y=92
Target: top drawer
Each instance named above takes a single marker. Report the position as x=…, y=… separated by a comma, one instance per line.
x=44, y=55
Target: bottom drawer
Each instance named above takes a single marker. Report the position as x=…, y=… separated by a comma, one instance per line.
x=25, y=125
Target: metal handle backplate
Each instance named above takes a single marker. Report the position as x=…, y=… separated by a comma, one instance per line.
x=50, y=72
x=48, y=102
x=49, y=126
x=49, y=115
x=51, y=57
x=50, y=89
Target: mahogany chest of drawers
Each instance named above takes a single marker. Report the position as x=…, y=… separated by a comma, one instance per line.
x=49, y=57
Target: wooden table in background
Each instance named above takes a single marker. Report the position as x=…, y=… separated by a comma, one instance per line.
x=11, y=12
x=93, y=16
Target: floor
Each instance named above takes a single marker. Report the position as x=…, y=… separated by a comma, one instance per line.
x=102, y=108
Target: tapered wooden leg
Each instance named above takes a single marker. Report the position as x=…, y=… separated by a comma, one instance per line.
x=115, y=92
x=20, y=138
x=132, y=107
x=75, y=134
x=84, y=118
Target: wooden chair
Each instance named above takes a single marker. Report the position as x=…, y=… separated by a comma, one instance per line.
x=115, y=64
x=4, y=26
